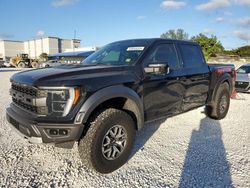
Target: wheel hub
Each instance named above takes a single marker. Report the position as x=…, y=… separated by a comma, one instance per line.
x=223, y=104
x=114, y=142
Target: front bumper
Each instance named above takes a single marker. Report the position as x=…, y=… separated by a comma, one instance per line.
x=37, y=132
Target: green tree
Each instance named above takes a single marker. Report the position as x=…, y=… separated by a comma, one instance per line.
x=43, y=56
x=243, y=51
x=210, y=45
x=175, y=34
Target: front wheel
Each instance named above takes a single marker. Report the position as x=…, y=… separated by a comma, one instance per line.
x=21, y=64
x=108, y=141
x=221, y=104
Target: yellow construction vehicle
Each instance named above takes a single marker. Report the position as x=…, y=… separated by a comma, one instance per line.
x=23, y=60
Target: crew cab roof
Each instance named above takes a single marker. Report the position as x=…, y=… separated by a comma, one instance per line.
x=153, y=40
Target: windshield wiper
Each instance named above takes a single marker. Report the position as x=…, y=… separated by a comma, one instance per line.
x=95, y=64
x=99, y=63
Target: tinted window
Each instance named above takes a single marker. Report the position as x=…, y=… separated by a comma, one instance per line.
x=191, y=55
x=244, y=70
x=164, y=53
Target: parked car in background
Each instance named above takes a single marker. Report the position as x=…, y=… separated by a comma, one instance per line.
x=2, y=63
x=51, y=63
x=242, y=83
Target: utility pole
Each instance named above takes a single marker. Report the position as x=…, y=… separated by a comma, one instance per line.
x=74, y=40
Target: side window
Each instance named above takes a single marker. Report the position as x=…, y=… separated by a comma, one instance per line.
x=164, y=53
x=191, y=55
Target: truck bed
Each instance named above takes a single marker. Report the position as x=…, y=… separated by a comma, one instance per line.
x=213, y=66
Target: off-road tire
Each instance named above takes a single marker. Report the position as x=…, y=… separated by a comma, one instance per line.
x=90, y=146
x=213, y=111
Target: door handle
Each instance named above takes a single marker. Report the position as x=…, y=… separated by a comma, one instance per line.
x=194, y=79
x=181, y=78
x=184, y=79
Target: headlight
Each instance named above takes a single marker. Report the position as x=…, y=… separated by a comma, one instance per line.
x=61, y=100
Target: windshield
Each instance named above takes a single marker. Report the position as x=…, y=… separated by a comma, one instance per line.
x=118, y=53
x=243, y=70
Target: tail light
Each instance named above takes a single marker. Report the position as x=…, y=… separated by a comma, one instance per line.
x=234, y=93
x=234, y=74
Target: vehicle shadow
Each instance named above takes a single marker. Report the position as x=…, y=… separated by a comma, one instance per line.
x=205, y=163
x=144, y=135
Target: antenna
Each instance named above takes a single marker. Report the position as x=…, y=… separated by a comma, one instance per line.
x=74, y=34
x=74, y=40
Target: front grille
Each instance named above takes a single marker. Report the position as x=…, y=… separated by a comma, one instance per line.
x=241, y=85
x=23, y=96
x=24, y=89
x=29, y=98
x=24, y=105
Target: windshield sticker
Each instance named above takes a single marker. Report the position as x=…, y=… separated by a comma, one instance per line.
x=138, y=48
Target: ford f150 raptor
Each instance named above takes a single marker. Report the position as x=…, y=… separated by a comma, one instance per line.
x=102, y=102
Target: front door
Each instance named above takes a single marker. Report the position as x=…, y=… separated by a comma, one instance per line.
x=163, y=93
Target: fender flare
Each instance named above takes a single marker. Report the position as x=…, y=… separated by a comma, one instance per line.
x=134, y=103
x=224, y=78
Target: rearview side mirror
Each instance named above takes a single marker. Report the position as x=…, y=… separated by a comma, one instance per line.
x=157, y=68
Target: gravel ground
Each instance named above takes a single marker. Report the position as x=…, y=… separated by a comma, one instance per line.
x=188, y=150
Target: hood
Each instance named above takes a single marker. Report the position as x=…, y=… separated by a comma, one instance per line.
x=77, y=75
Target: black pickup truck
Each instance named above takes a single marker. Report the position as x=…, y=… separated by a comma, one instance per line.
x=102, y=102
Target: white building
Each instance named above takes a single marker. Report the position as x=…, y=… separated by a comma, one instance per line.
x=10, y=48
x=35, y=47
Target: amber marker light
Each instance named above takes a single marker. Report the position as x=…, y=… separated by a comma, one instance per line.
x=77, y=95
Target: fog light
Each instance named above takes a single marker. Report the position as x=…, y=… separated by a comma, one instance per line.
x=53, y=132
x=63, y=132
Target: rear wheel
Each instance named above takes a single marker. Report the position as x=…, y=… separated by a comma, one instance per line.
x=221, y=104
x=21, y=64
x=109, y=140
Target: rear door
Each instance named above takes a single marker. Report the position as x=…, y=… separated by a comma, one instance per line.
x=162, y=92
x=195, y=76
